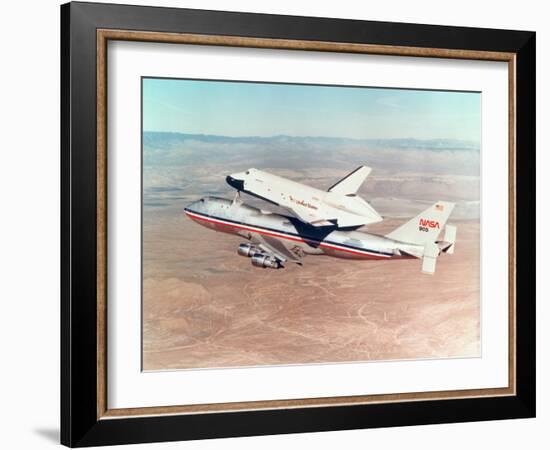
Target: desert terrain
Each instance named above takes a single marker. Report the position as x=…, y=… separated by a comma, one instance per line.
x=204, y=306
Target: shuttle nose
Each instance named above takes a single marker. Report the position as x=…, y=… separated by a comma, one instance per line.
x=233, y=182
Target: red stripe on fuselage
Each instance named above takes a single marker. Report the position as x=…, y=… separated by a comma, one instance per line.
x=284, y=236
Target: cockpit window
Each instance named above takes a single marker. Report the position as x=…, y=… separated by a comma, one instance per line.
x=247, y=172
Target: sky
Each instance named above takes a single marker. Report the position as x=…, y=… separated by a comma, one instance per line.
x=229, y=108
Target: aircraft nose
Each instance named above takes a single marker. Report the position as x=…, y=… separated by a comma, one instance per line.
x=233, y=182
x=196, y=206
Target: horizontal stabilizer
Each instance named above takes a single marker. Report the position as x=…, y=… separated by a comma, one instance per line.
x=351, y=183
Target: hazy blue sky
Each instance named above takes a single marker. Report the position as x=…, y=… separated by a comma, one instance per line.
x=260, y=109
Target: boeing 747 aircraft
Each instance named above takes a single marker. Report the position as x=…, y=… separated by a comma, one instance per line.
x=275, y=239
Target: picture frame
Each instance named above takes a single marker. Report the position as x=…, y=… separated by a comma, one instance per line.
x=86, y=418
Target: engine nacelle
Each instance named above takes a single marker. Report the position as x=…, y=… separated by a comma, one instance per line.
x=247, y=250
x=265, y=261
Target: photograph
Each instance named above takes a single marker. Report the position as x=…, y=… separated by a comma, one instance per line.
x=287, y=224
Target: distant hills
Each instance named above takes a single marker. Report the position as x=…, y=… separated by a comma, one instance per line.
x=169, y=140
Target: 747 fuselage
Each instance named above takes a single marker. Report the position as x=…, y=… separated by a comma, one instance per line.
x=256, y=225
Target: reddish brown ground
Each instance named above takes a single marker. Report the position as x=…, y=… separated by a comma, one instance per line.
x=205, y=306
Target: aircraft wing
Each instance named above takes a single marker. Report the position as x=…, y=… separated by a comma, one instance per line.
x=327, y=215
x=277, y=248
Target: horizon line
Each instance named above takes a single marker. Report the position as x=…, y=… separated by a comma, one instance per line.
x=311, y=137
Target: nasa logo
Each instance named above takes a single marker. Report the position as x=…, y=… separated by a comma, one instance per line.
x=425, y=224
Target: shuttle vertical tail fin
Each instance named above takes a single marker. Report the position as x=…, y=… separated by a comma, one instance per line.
x=351, y=183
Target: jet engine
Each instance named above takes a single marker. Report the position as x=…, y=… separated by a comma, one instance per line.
x=265, y=261
x=248, y=250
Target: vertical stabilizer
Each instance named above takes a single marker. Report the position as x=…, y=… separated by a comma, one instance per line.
x=425, y=227
x=351, y=183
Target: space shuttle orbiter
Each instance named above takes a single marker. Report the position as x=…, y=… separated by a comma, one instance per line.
x=339, y=206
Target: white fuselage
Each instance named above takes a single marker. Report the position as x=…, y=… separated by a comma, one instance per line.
x=246, y=221
x=309, y=204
